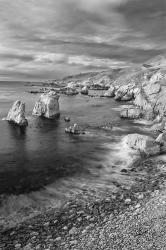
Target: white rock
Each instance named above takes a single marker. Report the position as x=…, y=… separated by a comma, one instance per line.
x=110, y=92
x=142, y=143
x=47, y=106
x=17, y=114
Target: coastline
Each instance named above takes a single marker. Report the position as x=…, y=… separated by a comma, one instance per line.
x=86, y=214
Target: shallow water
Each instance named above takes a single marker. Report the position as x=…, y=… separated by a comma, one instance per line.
x=42, y=166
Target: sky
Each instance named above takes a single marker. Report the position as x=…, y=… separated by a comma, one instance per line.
x=49, y=39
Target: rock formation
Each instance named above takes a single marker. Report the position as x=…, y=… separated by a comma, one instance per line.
x=74, y=130
x=71, y=91
x=17, y=114
x=47, y=106
x=131, y=113
x=110, y=92
x=84, y=90
x=143, y=144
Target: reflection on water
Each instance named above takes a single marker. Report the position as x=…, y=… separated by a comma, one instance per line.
x=41, y=166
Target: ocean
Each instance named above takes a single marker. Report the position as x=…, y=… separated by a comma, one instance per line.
x=41, y=166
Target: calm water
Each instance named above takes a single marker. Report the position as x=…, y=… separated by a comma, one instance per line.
x=42, y=166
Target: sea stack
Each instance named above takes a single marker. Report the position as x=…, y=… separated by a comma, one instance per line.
x=17, y=114
x=47, y=106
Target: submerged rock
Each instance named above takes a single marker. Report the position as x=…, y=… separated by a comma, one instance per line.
x=67, y=119
x=84, y=90
x=47, y=106
x=143, y=144
x=17, y=114
x=74, y=130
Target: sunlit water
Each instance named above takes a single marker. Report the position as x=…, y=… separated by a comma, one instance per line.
x=42, y=166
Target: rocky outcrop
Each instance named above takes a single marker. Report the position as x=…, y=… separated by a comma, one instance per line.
x=102, y=82
x=131, y=113
x=17, y=114
x=143, y=144
x=110, y=92
x=74, y=130
x=84, y=90
x=124, y=93
x=47, y=106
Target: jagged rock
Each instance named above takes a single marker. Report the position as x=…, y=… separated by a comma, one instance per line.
x=161, y=140
x=17, y=114
x=110, y=92
x=102, y=82
x=127, y=97
x=131, y=113
x=124, y=93
x=47, y=106
x=142, y=102
x=74, y=130
x=143, y=144
x=84, y=90
x=159, y=124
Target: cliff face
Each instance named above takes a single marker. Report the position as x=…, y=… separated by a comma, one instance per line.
x=145, y=86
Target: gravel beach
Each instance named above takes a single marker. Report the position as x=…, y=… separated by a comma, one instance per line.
x=129, y=219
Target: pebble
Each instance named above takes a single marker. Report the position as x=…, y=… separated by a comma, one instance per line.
x=65, y=228
x=58, y=239
x=17, y=246
x=137, y=206
x=140, y=197
x=73, y=230
x=73, y=242
x=46, y=224
x=79, y=219
x=34, y=233
x=38, y=247
x=128, y=201
x=28, y=247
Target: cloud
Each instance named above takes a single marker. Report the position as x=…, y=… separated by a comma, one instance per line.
x=48, y=39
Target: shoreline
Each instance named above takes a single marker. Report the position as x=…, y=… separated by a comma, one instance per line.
x=85, y=213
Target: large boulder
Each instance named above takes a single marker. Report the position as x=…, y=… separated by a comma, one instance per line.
x=143, y=144
x=17, y=114
x=131, y=113
x=47, y=106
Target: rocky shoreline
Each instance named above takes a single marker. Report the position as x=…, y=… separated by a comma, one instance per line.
x=87, y=212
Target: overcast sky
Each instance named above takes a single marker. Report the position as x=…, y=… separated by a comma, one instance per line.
x=46, y=39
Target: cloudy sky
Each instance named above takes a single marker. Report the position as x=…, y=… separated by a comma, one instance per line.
x=46, y=39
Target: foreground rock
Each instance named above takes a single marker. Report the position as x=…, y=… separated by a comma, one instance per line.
x=74, y=130
x=47, y=106
x=143, y=144
x=17, y=114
